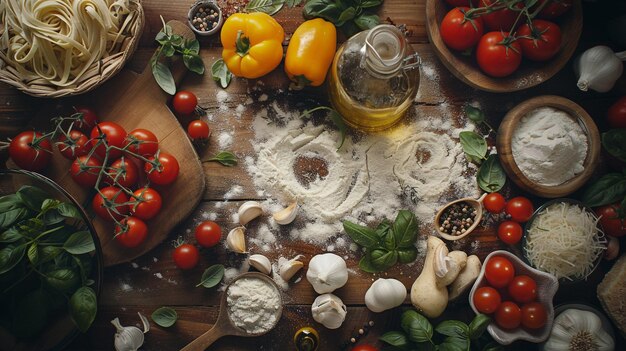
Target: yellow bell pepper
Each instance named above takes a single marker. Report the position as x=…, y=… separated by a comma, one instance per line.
x=310, y=53
x=252, y=44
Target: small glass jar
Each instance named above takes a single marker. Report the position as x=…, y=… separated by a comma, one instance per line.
x=306, y=339
x=374, y=78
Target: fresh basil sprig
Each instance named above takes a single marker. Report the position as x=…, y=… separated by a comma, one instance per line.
x=226, y=158
x=491, y=176
x=220, y=73
x=614, y=142
x=270, y=7
x=386, y=245
x=351, y=16
x=164, y=316
x=212, y=276
x=606, y=190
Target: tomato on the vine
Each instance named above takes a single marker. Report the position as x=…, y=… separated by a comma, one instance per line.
x=508, y=315
x=510, y=232
x=520, y=209
x=142, y=142
x=30, y=150
x=124, y=172
x=110, y=203
x=84, y=170
x=208, y=234
x=148, y=203
x=523, y=289
x=486, y=299
x=494, y=203
x=616, y=116
x=87, y=121
x=198, y=130
x=114, y=135
x=554, y=8
x=540, y=40
x=534, y=315
x=459, y=31
x=76, y=145
x=498, y=54
x=185, y=102
x=611, y=223
x=499, y=272
x=186, y=256
x=165, y=171
x=364, y=347
x=131, y=232
x=501, y=20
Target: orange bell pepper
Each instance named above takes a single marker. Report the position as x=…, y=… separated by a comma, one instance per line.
x=310, y=53
x=252, y=44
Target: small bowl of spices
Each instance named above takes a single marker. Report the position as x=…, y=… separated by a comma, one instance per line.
x=459, y=218
x=205, y=17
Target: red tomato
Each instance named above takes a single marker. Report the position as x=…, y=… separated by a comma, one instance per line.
x=460, y=32
x=113, y=134
x=486, y=299
x=499, y=272
x=185, y=102
x=76, y=145
x=186, y=256
x=534, y=315
x=198, y=130
x=459, y=3
x=148, y=203
x=124, y=172
x=541, y=41
x=142, y=142
x=165, y=171
x=87, y=120
x=510, y=232
x=30, y=151
x=617, y=114
x=496, y=57
x=113, y=198
x=364, y=347
x=208, y=234
x=611, y=224
x=503, y=19
x=131, y=232
x=508, y=315
x=520, y=209
x=494, y=203
x=554, y=9
x=84, y=170
x=523, y=289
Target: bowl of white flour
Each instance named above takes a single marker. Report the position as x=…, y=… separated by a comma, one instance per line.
x=548, y=145
x=254, y=303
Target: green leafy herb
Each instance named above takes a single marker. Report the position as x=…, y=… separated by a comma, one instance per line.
x=606, y=190
x=83, y=307
x=477, y=116
x=350, y=16
x=474, y=146
x=163, y=77
x=226, y=158
x=79, y=243
x=212, y=276
x=491, y=176
x=478, y=326
x=293, y=3
x=361, y=235
x=268, y=6
x=614, y=142
x=221, y=74
x=394, y=338
x=164, y=316
x=405, y=229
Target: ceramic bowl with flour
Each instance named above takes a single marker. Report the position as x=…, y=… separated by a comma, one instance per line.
x=548, y=146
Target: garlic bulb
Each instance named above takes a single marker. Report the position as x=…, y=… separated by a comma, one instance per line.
x=129, y=338
x=578, y=330
x=327, y=272
x=598, y=68
x=385, y=294
x=329, y=310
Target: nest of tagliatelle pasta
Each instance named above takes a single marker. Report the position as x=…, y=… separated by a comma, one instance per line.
x=58, y=48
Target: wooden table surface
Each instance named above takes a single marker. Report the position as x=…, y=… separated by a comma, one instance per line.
x=152, y=280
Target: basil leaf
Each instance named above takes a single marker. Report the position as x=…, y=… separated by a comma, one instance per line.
x=325, y=9
x=345, y=16
x=49, y=253
x=417, y=327
x=478, y=326
x=10, y=256
x=493, y=346
x=340, y=124
x=365, y=264
x=454, y=343
x=474, y=145
x=220, y=73
x=395, y=338
x=212, y=276
x=491, y=176
x=33, y=254
x=79, y=243
x=194, y=63
x=226, y=158
x=607, y=190
x=69, y=211
x=164, y=316
x=163, y=77
x=382, y=228
x=475, y=115
x=405, y=229
x=293, y=3
x=389, y=240
x=10, y=202
x=32, y=197
x=193, y=46
x=384, y=259
x=614, y=141
x=65, y=280
x=367, y=21
x=10, y=235
x=407, y=255
x=83, y=307
x=161, y=38
x=84, y=265
x=453, y=328
x=50, y=204
x=361, y=235
x=168, y=49
x=10, y=217
x=268, y=6
x=370, y=3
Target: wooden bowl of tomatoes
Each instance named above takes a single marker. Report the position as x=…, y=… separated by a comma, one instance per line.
x=516, y=296
x=493, y=48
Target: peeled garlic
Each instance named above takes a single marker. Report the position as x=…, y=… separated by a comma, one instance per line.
x=261, y=263
x=287, y=269
x=287, y=214
x=385, y=294
x=327, y=272
x=236, y=240
x=129, y=338
x=248, y=211
x=329, y=310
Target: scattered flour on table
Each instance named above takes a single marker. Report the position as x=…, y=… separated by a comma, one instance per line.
x=233, y=191
x=225, y=140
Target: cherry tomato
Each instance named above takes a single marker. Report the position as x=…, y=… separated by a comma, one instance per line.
x=115, y=200
x=131, y=232
x=508, y=315
x=497, y=56
x=208, y=234
x=494, y=203
x=186, y=256
x=113, y=133
x=184, y=102
x=540, y=41
x=510, y=232
x=534, y=315
x=523, y=289
x=148, y=203
x=30, y=151
x=499, y=272
x=610, y=222
x=198, y=130
x=84, y=170
x=364, y=347
x=124, y=172
x=616, y=115
x=554, y=9
x=501, y=20
x=165, y=172
x=460, y=32
x=142, y=142
x=87, y=121
x=520, y=209
x=77, y=144
x=486, y=299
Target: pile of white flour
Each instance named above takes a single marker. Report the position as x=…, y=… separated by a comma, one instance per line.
x=253, y=304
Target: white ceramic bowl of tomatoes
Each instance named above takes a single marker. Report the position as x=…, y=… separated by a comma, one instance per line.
x=516, y=296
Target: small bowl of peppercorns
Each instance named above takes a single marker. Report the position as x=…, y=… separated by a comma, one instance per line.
x=205, y=17
x=459, y=218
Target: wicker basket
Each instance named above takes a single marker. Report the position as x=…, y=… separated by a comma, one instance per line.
x=98, y=73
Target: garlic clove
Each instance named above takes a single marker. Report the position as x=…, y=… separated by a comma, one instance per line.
x=236, y=240
x=288, y=269
x=286, y=215
x=248, y=211
x=261, y=263
x=385, y=294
